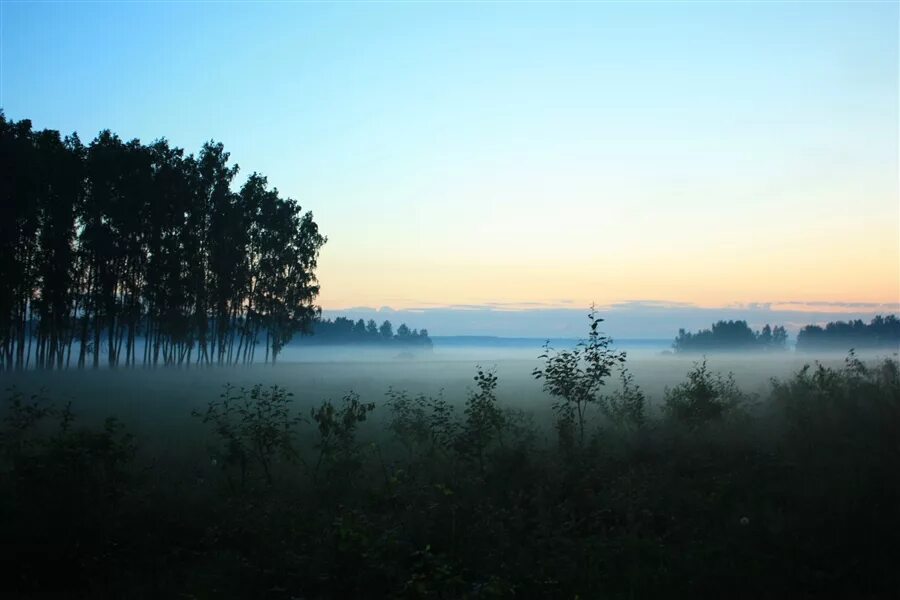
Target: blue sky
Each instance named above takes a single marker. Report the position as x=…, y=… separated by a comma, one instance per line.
x=711, y=154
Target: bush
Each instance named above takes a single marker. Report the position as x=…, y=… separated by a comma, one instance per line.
x=576, y=376
x=854, y=405
x=62, y=490
x=421, y=422
x=802, y=498
x=43, y=453
x=625, y=407
x=704, y=397
x=336, y=426
x=255, y=428
x=484, y=421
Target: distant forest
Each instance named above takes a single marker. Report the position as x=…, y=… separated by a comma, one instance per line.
x=114, y=242
x=345, y=331
x=881, y=332
x=731, y=335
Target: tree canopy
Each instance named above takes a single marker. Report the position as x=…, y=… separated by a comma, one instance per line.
x=881, y=332
x=731, y=335
x=107, y=243
x=342, y=330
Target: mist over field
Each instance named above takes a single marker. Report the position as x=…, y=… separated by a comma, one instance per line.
x=150, y=398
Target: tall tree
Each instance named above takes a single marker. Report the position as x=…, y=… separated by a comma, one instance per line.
x=60, y=192
x=19, y=221
x=119, y=242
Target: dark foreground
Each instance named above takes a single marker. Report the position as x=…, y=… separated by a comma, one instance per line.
x=718, y=495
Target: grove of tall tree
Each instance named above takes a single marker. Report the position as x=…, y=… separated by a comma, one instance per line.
x=731, y=335
x=880, y=332
x=114, y=243
x=342, y=330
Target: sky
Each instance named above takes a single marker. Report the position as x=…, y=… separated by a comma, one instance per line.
x=622, y=320
x=519, y=157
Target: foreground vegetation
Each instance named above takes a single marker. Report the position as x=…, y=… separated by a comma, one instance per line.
x=713, y=493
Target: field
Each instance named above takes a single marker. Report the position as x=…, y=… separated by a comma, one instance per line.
x=785, y=490
x=159, y=398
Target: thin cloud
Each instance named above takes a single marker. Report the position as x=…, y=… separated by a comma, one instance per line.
x=650, y=304
x=849, y=305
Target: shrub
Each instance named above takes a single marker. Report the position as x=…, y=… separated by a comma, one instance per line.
x=421, y=422
x=484, y=420
x=704, y=397
x=255, y=428
x=62, y=491
x=336, y=426
x=819, y=402
x=23, y=417
x=576, y=376
x=625, y=407
x=36, y=451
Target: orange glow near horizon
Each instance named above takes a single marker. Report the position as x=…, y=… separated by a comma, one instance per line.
x=795, y=271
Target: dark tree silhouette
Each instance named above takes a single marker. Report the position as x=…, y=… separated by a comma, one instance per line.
x=731, y=335
x=342, y=330
x=371, y=328
x=881, y=332
x=103, y=245
x=19, y=224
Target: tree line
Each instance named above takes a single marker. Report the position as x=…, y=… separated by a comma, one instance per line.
x=343, y=330
x=881, y=332
x=124, y=253
x=731, y=335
